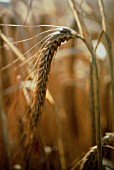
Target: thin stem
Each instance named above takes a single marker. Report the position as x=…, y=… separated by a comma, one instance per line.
x=92, y=106
x=97, y=110
x=87, y=40
x=73, y=7
x=105, y=27
x=3, y=118
x=99, y=39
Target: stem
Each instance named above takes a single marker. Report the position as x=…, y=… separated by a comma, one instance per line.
x=87, y=40
x=3, y=118
x=92, y=106
x=105, y=27
x=73, y=7
x=97, y=111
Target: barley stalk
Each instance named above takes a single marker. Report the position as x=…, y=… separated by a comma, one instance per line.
x=92, y=107
x=96, y=105
x=48, y=51
x=106, y=31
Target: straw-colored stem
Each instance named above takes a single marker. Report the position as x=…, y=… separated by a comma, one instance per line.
x=97, y=110
x=92, y=107
x=105, y=27
x=87, y=40
x=73, y=7
x=3, y=119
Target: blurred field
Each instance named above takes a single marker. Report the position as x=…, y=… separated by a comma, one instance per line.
x=65, y=131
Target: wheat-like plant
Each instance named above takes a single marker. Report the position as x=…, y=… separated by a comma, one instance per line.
x=90, y=161
x=48, y=50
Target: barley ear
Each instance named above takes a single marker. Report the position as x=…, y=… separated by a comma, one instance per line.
x=48, y=51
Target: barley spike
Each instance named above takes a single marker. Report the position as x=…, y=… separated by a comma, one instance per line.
x=47, y=53
x=89, y=161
